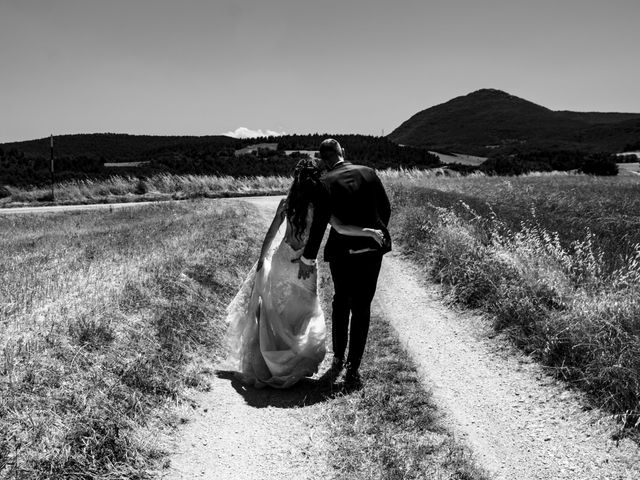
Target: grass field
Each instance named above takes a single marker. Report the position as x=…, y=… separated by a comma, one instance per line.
x=555, y=260
x=460, y=158
x=118, y=189
x=105, y=318
x=629, y=169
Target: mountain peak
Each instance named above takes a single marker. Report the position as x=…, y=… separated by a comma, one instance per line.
x=493, y=95
x=489, y=120
x=489, y=91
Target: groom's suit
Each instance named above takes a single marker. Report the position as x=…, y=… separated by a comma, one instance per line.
x=355, y=195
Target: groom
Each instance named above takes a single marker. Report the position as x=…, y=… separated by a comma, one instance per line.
x=355, y=196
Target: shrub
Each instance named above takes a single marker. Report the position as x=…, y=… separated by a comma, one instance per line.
x=600, y=165
x=571, y=300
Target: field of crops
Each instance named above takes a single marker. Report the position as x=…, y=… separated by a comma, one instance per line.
x=555, y=260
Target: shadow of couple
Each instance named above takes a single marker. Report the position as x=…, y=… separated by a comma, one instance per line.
x=306, y=392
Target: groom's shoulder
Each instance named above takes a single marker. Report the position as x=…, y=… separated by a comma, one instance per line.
x=348, y=172
x=363, y=169
x=348, y=167
x=367, y=173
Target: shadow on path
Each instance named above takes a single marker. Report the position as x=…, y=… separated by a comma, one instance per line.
x=307, y=391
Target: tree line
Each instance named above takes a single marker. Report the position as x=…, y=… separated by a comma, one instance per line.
x=545, y=161
x=217, y=156
x=193, y=155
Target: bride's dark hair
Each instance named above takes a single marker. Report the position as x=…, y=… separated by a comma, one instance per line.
x=304, y=190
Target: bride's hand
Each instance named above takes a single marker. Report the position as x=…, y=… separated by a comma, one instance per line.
x=377, y=235
x=304, y=270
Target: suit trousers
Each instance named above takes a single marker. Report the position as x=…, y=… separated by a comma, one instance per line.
x=354, y=280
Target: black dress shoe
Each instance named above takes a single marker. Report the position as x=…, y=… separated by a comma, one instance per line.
x=352, y=378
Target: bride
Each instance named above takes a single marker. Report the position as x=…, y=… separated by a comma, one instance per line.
x=276, y=332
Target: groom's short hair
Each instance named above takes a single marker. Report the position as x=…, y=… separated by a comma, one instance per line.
x=330, y=146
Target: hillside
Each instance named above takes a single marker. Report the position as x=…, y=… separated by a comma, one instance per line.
x=116, y=147
x=488, y=120
x=618, y=137
x=599, y=118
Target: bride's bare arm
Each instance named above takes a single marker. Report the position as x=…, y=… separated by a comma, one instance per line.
x=273, y=229
x=354, y=231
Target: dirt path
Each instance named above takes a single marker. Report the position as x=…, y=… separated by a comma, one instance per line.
x=239, y=433
x=72, y=208
x=519, y=422
x=261, y=201
x=235, y=434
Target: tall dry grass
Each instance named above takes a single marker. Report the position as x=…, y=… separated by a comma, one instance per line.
x=105, y=318
x=158, y=187
x=569, y=204
x=554, y=259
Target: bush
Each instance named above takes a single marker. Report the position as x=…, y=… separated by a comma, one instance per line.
x=141, y=187
x=550, y=160
x=600, y=165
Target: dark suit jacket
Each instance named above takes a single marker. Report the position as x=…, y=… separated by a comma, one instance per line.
x=355, y=195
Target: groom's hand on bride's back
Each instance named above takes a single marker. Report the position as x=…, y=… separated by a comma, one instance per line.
x=304, y=270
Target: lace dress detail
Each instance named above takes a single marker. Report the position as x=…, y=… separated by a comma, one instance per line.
x=276, y=333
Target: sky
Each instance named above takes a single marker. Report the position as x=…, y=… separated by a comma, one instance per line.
x=204, y=67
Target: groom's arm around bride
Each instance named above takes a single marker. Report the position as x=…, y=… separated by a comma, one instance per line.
x=354, y=195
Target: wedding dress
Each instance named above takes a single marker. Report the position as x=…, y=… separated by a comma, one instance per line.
x=276, y=332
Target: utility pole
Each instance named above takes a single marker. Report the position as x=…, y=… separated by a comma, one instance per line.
x=53, y=192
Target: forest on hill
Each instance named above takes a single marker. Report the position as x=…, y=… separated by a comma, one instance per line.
x=492, y=122
x=116, y=147
x=84, y=156
x=547, y=161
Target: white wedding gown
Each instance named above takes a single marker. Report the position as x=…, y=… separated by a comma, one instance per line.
x=276, y=332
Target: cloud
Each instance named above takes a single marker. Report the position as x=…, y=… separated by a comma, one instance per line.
x=243, y=132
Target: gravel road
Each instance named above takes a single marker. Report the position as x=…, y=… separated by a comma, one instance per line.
x=72, y=208
x=264, y=202
x=518, y=421
x=238, y=434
